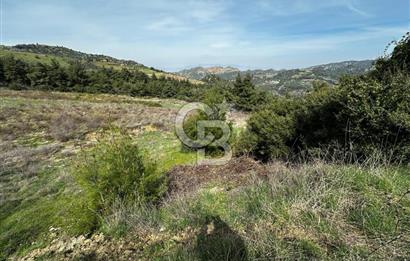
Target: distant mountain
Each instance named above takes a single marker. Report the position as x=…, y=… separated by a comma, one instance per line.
x=286, y=81
x=199, y=73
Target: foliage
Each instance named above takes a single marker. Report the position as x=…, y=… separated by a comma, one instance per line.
x=215, y=99
x=398, y=61
x=115, y=170
x=363, y=115
x=244, y=93
x=77, y=77
x=267, y=135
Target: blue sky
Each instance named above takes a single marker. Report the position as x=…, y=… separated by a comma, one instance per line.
x=177, y=34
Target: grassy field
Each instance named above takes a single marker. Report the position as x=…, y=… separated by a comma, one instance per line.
x=41, y=133
x=244, y=210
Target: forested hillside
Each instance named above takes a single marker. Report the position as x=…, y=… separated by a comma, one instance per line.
x=43, y=67
x=38, y=53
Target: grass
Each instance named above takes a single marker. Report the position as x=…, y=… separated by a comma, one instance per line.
x=306, y=212
x=39, y=204
x=65, y=61
x=165, y=149
x=35, y=58
x=34, y=209
x=40, y=133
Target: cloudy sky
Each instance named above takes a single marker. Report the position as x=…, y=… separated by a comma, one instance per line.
x=177, y=34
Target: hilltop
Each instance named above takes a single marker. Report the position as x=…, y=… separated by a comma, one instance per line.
x=39, y=53
x=283, y=81
x=200, y=72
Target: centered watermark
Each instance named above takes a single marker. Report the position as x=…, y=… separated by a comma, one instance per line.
x=204, y=138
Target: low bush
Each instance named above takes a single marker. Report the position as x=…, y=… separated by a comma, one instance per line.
x=267, y=135
x=115, y=170
x=213, y=98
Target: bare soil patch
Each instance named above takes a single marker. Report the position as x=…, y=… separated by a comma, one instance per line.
x=238, y=172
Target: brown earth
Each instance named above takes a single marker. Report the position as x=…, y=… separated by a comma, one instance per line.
x=238, y=172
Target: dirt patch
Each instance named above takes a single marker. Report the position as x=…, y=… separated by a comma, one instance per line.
x=99, y=247
x=238, y=172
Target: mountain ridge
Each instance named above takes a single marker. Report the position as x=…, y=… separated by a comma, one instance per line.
x=286, y=80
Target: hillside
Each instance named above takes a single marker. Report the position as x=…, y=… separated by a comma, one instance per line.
x=244, y=210
x=93, y=168
x=199, y=73
x=283, y=81
x=44, y=54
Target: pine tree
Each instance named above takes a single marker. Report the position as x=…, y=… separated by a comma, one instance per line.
x=244, y=92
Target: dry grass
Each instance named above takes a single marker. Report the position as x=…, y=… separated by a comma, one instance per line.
x=39, y=133
x=310, y=211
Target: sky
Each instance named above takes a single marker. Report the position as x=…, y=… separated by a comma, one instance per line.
x=178, y=34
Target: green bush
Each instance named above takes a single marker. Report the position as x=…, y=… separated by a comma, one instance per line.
x=270, y=130
x=361, y=116
x=115, y=170
x=317, y=124
x=267, y=135
x=378, y=114
x=215, y=99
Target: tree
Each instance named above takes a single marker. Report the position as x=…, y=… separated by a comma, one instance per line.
x=244, y=93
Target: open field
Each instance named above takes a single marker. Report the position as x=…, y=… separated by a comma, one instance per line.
x=243, y=210
x=40, y=133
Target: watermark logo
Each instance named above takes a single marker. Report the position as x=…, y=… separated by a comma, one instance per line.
x=204, y=138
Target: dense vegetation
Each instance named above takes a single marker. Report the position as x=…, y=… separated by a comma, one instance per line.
x=362, y=116
x=77, y=77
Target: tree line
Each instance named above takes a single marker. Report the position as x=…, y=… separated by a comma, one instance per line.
x=20, y=75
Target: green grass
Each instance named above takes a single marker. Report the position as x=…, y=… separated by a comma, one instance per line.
x=35, y=58
x=65, y=61
x=165, y=149
x=319, y=211
x=35, y=209
x=310, y=212
x=33, y=140
x=53, y=200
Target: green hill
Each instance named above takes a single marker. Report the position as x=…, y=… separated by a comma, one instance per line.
x=35, y=53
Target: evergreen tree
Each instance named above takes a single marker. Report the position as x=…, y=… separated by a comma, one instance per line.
x=244, y=93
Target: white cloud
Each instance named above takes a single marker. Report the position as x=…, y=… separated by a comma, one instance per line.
x=181, y=16
x=206, y=11
x=220, y=45
x=168, y=24
x=295, y=7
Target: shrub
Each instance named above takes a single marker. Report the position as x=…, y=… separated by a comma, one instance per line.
x=214, y=98
x=378, y=114
x=317, y=122
x=267, y=135
x=270, y=130
x=115, y=170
